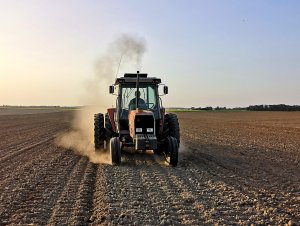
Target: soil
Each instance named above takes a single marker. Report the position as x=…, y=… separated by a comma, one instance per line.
x=234, y=168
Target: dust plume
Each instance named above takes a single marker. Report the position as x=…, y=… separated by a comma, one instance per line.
x=96, y=99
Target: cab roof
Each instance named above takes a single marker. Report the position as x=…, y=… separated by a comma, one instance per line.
x=131, y=78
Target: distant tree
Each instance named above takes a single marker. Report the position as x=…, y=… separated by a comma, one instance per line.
x=219, y=108
x=207, y=108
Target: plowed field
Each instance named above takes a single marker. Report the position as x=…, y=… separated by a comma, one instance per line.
x=234, y=168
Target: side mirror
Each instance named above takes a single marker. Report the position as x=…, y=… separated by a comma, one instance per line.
x=111, y=89
x=166, y=90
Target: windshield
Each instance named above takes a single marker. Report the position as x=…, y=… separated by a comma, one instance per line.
x=147, y=98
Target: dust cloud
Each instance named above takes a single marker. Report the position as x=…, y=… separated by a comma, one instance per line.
x=128, y=50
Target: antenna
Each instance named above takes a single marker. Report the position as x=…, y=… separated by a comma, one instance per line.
x=119, y=65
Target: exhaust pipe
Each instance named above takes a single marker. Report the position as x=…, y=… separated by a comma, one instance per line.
x=137, y=90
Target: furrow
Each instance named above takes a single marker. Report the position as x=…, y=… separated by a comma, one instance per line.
x=65, y=203
x=83, y=207
x=34, y=197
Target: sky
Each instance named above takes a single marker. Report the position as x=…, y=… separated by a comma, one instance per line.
x=210, y=53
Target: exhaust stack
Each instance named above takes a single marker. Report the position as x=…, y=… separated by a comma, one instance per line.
x=137, y=90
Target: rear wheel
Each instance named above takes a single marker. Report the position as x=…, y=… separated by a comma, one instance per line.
x=170, y=128
x=174, y=130
x=115, y=150
x=99, y=131
x=173, y=151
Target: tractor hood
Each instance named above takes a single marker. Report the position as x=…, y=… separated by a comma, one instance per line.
x=141, y=122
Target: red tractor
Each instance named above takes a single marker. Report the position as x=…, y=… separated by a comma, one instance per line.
x=139, y=120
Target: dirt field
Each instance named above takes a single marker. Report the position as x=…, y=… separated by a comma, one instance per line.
x=234, y=168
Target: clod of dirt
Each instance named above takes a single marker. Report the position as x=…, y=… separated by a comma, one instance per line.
x=91, y=219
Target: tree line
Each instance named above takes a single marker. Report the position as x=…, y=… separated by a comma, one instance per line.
x=274, y=107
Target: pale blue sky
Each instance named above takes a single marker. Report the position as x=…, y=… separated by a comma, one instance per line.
x=226, y=53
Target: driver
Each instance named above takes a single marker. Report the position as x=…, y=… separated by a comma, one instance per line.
x=132, y=103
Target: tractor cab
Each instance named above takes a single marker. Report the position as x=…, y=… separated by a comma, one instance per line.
x=147, y=95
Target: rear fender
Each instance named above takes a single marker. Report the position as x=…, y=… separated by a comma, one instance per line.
x=111, y=115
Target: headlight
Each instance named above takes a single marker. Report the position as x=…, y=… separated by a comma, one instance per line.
x=149, y=130
x=138, y=130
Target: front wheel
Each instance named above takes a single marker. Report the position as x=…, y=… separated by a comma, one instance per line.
x=115, y=150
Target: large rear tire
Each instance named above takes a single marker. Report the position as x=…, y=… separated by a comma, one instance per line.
x=99, y=131
x=115, y=150
x=170, y=128
x=174, y=130
x=173, y=151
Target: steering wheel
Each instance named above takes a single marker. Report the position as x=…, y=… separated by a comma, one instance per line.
x=152, y=107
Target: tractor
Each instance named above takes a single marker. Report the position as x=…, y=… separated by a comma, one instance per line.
x=139, y=122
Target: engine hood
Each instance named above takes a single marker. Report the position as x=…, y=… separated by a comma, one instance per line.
x=148, y=121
